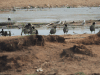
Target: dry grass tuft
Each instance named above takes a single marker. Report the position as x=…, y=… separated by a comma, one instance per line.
x=55, y=38
x=76, y=49
x=19, y=43
x=31, y=40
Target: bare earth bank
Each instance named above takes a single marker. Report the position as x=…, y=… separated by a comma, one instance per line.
x=53, y=54
x=48, y=3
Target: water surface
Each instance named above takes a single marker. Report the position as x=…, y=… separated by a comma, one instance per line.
x=52, y=14
x=43, y=30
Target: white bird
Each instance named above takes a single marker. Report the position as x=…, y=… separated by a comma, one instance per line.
x=9, y=19
x=59, y=22
x=28, y=7
x=83, y=22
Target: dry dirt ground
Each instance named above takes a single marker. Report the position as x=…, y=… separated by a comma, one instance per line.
x=55, y=55
x=47, y=3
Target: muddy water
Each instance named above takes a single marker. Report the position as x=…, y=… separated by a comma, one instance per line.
x=52, y=14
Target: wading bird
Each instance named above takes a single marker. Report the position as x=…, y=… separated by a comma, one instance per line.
x=65, y=29
x=14, y=9
x=92, y=27
x=33, y=30
x=53, y=30
x=83, y=23
x=29, y=29
x=9, y=19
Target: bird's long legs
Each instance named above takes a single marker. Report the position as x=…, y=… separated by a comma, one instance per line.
x=21, y=33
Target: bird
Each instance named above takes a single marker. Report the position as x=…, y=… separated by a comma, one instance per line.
x=9, y=19
x=83, y=23
x=92, y=27
x=19, y=27
x=65, y=29
x=29, y=29
x=63, y=22
x=50, y=24
x=34, y=31
x=9, y=33
x=28, y=26
x=57, y=22
x=14, y=9
x=28, y=7
x=53, y=30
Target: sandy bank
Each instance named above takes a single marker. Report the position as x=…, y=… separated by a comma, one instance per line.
x=22, y=56
x=48, y=3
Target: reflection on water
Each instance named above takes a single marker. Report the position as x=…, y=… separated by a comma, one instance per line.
x=45, y=31
x=53, y=14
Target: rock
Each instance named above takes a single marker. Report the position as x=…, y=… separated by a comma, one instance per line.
x=39, y=70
